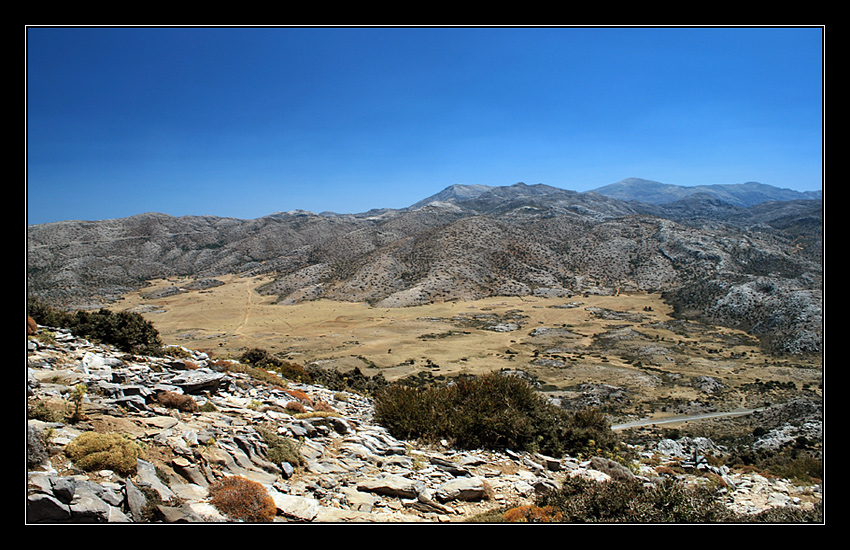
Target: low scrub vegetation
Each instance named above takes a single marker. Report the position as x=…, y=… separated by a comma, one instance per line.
x=263, y=359
x=242, y=499
x=127, y=331
x=581, y=500
x=353, y=380
x=800, y=464
x=93, y=451
x=280, y=449
x=179, y=401
x=491, y=411
x=256, y=373
x=630, y=501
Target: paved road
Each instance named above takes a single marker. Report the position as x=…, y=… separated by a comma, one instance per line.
x=679, y=419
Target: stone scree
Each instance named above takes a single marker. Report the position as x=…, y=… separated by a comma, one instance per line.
x=353, y=469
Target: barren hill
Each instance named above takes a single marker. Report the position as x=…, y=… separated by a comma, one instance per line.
x=741, y=194
x=756, y=267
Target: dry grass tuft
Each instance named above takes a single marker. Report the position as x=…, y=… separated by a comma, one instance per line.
x=92, y=451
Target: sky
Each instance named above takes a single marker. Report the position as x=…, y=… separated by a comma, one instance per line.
x=245, y=122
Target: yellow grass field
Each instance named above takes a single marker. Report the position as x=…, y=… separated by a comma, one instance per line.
x=634, y=347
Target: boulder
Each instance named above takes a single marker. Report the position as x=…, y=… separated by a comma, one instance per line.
x=462, y=488
x=390, y=485
x=198, y=381
x=295, y=507
x=611, y=467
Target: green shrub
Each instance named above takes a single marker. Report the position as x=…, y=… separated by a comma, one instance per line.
x=92, y=451
x=242, y=499
x=260, y=358
x=128, y=331
x=630, y=501
x=45, y=315
x=490, y=411
x=353, y=380
x=580, y=500
x=788, y=514
x=280, y=449
x=803, y=465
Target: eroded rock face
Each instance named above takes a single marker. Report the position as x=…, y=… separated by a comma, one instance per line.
x=346, y=468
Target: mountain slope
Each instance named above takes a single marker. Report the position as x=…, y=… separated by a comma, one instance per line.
x=740, y=194
x=757, y=267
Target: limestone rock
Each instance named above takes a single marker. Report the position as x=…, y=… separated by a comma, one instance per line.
x=347, y=469
x=462, y=488
x=390, y=485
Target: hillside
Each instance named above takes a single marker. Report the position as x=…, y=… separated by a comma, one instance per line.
x=758, y=267
x=741, y=194
x=152, y=439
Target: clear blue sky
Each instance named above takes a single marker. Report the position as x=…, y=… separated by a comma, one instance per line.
x=245, y=122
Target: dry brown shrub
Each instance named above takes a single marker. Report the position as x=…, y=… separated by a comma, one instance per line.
x=300, y=395
x=295, y=406
x=242, y=499
x=323, y=406
x=532, y=514
x=178, y=401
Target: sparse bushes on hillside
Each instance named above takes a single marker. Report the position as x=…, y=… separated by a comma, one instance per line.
x=353, y=380
x=491, y=411
x=631, y=501
x=581, y=500
x=45, y=315
x=128, y=331
x=262, y=359
x=795, y=461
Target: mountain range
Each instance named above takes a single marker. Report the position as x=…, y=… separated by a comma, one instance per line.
x=737, y=194
x=747, y=255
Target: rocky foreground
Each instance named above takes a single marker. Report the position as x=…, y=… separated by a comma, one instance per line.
x=351, y=470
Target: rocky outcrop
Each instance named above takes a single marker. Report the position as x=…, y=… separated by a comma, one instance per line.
x=345, y=467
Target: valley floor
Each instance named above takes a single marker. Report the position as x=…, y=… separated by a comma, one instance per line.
x=625, y=353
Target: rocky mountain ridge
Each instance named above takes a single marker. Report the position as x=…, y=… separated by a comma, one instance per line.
x=759, y=268
x=347, y=468
x=740, y=194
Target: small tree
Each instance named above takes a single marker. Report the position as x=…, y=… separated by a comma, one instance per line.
x=78, y=395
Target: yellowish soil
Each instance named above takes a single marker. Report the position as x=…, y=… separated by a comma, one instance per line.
x=446, y=339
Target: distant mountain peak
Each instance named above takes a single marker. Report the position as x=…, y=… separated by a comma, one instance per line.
x=454, y=193
x=737, y=194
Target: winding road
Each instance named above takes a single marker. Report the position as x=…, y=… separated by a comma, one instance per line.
x=679, y=419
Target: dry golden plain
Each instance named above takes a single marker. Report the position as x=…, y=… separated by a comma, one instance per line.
x=629, y=341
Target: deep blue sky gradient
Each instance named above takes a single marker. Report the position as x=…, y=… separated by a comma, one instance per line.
x=244, y=122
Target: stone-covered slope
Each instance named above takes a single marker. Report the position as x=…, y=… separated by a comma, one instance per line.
x=349, y=469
